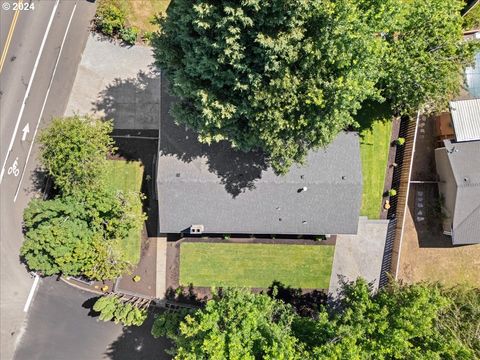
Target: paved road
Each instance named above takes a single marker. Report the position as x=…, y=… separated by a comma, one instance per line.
x=60, y=328
x=42, y=49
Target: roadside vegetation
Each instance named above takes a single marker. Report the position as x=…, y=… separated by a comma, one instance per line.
x=129, y=20
x=85, y=228
x=419, y=321
x=247, y=73
x=255, y=265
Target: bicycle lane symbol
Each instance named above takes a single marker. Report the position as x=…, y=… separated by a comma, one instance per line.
x=14, y=168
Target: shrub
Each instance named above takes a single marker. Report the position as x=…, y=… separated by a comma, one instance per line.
x=74, y=151
x=128, y=312
x=129, y=35
x=392, y=192
x=148, y=36
x=110, y=19
x=400, y=141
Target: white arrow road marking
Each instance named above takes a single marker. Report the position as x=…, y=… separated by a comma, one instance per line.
x=45, y=101
x=25, y=131
x=22, y=108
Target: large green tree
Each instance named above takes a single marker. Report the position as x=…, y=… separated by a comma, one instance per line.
x=74, y=150
x=80, y=234
x=425, y=54
x=281, y=75
x=235, y=324
x=398, y=322
x=286, y=76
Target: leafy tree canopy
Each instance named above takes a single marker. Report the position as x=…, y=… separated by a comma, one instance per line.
x=74, y=150
x=398, y=322
x=122, y=310
x=287, y=76
x=80, y=234
x=425, y=54
x=235, y=324
x=281, y=75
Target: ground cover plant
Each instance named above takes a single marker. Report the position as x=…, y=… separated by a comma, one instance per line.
x=255, y=265
x=129, y=20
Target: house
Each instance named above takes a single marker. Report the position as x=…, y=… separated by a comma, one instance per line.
x=458, y=168
x=214, y=189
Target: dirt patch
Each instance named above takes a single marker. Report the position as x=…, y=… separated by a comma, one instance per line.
x=146, y=269
x=173, y=265
x=427, y=254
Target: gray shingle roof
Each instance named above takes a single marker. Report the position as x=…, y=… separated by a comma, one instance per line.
x=464, y=159
x=229, y=191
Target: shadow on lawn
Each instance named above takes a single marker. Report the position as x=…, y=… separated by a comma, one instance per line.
x=371, y=112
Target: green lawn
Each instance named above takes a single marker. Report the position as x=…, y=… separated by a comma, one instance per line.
x=375, y=132
x=127, y=176
x=255, y=265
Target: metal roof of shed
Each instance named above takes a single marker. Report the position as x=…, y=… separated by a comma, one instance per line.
x=466, y=119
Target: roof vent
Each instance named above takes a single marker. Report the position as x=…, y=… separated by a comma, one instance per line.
x=196, y=229
x=303, y=189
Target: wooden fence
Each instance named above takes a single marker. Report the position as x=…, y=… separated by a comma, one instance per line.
x=398, y=210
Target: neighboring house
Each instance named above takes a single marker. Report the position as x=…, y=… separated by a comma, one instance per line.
x=458, y=168
x=217, y=190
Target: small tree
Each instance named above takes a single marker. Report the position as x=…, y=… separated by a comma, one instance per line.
x=74, y=151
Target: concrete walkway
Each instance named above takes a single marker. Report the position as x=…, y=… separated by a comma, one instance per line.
x=359, y=255
x=161, y=268
x=117, y=82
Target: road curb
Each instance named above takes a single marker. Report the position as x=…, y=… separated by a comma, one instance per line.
x=80, y=287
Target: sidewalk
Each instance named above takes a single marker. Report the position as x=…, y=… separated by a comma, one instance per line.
x=119, y=83
x=360, y=255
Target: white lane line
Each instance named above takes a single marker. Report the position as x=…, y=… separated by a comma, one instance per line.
x=44, y=102
x=30, y=295
x=12, y=140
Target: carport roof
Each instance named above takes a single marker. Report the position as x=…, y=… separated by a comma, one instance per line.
x=466, y=119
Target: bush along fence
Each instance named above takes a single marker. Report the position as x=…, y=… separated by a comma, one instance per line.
x=122, y=309
x=398, y=203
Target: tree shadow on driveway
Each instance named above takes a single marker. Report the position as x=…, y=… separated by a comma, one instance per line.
x=136, y=342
